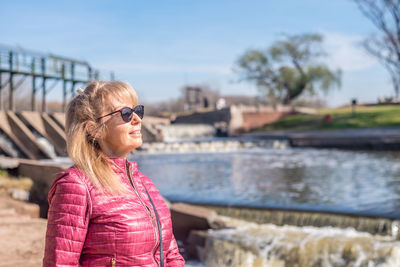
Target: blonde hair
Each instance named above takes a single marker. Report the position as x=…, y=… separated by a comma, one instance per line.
x=82, y=147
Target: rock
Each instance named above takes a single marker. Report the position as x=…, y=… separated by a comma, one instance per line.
x=187, y=217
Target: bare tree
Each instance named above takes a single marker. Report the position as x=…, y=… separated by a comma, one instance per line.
x=384, y=45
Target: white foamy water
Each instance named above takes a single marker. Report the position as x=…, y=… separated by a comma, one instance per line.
x=174, y=132
x=269, y=245
x=47, y=146
x=7, y=144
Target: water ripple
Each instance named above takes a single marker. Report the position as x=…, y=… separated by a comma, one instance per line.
x=351, y=181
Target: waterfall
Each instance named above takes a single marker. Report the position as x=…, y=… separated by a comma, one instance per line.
x=7, y=144
x=250, y=244
x=211, y=145
x=174, y=132
x=381, y=226
x=47, y=146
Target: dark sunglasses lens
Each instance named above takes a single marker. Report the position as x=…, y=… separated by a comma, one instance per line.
x=139, y=110
x=126, y=114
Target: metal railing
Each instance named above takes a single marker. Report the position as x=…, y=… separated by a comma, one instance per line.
x=45, y=72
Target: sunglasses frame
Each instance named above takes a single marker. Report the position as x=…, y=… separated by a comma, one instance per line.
x=132, y=110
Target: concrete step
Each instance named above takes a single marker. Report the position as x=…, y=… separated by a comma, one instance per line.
x=7, y=212
x=16, y=219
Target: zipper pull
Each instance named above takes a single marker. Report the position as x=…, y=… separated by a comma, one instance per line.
x=113, y=261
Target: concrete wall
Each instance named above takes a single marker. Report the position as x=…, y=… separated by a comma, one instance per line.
x=43, y=175
x=253, y=120
x=238, y=118
x=209, y=117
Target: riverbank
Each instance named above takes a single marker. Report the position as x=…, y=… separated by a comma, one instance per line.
x=361, y=116
x=377, y=138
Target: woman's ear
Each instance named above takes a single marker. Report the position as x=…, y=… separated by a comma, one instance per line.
x=92, y=129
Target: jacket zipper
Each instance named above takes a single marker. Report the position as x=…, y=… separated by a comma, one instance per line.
x=113, y=261
x=128, y=170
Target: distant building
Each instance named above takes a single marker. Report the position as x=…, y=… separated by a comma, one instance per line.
x=197, y=97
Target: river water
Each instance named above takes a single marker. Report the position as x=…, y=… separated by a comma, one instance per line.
x=359, y=182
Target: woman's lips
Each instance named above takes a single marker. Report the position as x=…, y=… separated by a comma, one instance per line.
x=136, y=133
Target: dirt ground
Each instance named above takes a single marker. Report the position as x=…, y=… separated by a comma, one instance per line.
x=22, y=242
x=22, y=237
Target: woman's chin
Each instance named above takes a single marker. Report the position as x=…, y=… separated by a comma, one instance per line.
x=137, y=143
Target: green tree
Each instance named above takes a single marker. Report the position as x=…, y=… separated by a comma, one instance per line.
x=288, y=68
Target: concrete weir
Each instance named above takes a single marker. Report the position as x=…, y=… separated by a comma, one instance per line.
x=59, y=118
x=373, y=225
x=219, y=240
x=43, y=124
x=21, y=136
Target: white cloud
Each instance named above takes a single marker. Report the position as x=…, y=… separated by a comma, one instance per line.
x=346, y=53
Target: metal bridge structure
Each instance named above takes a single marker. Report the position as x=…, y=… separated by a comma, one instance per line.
x=45, y=71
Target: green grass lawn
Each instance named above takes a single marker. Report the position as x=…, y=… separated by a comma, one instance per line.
x=342, y=118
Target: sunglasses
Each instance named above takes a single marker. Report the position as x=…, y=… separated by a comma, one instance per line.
x=127, y=113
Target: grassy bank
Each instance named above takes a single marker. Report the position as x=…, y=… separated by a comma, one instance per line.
x=341, y=118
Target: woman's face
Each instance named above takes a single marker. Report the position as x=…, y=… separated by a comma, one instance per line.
x=119, y=137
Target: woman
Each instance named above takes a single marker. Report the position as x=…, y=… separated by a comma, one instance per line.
x=103, y=211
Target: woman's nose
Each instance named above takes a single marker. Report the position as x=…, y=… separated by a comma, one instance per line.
x=135, y=119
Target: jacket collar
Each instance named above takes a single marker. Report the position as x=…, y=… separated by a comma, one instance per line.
x=119, y=165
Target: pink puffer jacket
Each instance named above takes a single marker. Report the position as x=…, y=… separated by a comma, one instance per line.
x=87, y=228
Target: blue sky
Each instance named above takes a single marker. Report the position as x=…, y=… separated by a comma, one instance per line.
x=159, y=46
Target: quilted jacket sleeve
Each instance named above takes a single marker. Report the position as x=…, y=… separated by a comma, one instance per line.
x=68, y=219
x=174, y=258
